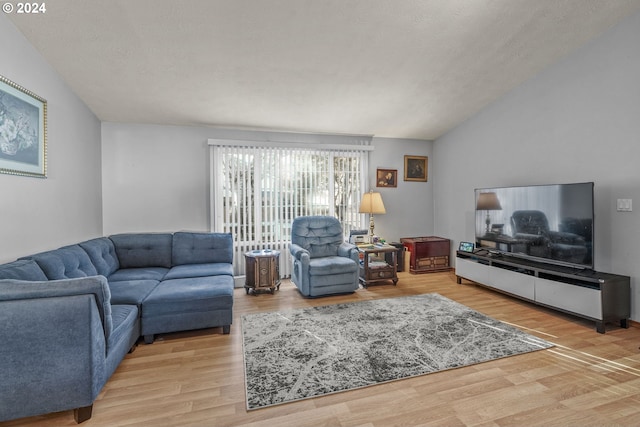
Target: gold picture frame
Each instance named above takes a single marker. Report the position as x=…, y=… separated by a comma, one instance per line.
x=23, y=131
x=416, y=168
x=387, y=178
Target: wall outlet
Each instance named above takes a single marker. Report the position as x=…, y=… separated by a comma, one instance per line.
x=624, y=205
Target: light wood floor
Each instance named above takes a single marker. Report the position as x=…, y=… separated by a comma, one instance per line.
x=197, y=378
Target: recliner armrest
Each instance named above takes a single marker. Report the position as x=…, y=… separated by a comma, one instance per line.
x=298, y=252
x=348, y=250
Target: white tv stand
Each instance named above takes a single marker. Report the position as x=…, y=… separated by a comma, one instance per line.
x=593, y=295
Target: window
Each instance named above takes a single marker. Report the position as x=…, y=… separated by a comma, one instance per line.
x=258, y=189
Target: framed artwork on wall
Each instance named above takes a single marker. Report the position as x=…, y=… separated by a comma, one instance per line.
x=415, y=168
x=386, y=178
x=23, y=131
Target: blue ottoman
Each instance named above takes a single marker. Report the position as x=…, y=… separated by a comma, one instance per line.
x=188, y=303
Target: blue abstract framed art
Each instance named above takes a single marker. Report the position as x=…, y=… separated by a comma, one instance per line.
x=23, y=131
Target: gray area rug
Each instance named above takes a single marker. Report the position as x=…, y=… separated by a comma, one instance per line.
x=297, y=354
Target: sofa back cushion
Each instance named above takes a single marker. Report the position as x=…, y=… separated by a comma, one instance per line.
x=202, y=248
x=65, y=263
x=136, y=250
x=24, y=269
x=320, y=235
x=102, y=254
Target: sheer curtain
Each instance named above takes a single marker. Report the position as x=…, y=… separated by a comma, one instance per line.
x=258, y=188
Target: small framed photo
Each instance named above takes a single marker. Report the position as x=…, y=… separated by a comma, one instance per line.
x=415, y=168
x=387, y=178
x=23, y=131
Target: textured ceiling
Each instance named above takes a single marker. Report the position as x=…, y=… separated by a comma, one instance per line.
x=392, y=68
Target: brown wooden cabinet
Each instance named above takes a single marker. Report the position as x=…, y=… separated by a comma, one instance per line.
x=428, y=254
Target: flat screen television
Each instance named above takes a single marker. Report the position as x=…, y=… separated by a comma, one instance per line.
x=547, y=223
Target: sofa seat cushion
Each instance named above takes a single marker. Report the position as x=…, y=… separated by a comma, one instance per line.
x=195, y=294
x=131, y=291
x=148, y=273
x=331, y=265
x=24, y=269
x=199, y=270
x=68, y=262
x=124, y=319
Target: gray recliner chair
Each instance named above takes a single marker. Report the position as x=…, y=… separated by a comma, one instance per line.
x=323, y=263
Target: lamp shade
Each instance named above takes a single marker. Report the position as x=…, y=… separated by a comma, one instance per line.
x=372, y=203
x=488, y=202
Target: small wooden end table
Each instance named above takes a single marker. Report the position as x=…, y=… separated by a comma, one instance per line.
x=262, y=271
x=378, y=271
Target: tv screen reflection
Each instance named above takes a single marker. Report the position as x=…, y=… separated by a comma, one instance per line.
x=553, y=223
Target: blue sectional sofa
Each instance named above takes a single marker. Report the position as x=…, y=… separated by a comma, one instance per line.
x=69, y=316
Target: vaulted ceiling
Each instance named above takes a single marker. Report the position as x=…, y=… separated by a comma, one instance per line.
x=392, y=68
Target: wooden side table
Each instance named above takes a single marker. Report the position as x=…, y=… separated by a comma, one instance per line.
x=378, y=271
x=262, y=271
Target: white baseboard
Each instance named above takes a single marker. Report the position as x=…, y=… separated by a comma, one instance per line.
x=238, y=281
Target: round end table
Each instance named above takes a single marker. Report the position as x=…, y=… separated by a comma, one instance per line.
x=262, y=270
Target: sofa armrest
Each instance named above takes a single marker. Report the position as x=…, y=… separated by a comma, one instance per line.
x=52, y=356
x=93, y=285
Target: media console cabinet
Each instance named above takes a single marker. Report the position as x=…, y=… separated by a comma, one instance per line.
x=589, y=294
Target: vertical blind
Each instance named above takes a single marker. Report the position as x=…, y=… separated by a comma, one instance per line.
x=257, y=189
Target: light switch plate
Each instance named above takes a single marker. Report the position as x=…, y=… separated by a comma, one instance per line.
x=624, y=205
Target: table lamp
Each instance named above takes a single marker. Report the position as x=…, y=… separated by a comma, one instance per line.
x=488, y=202
x=371, y=203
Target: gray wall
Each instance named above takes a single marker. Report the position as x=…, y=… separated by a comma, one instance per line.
x=577, y=121
x=410, y=205
x=38, y=214
x=155, y=178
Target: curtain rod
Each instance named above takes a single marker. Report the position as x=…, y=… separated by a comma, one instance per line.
x=297, y=144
